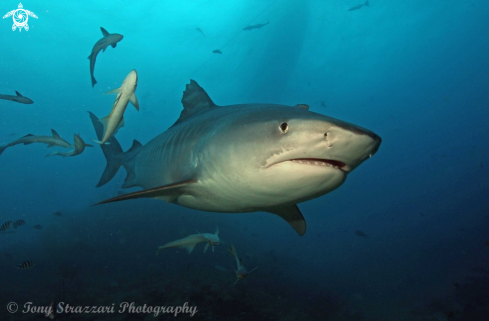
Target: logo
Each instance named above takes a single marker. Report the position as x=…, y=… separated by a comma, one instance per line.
x=20, y=17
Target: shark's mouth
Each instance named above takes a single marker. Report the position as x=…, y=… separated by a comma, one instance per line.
x=321, y=162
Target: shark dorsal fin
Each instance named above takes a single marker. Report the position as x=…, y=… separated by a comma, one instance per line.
x=195, y=100
x=55, y=134
x=104, y=32
x=18, y=94
x=135, y=145
x=302, y=106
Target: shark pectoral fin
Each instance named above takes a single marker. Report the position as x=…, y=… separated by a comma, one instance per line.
x=206, y=247
x=165, y=192
x=112, y=92
x=292, y=215
x=104, y=32
x=134, y=101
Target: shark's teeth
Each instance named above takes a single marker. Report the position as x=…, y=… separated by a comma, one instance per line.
x=318, y=162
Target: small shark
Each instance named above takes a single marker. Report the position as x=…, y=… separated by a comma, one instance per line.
x=79, y=148
x=19, y=98
x=257, y=26
x=190, y=241
x=241, y=158
x=241, y=272
x=102, y=44
x=217, y=51
x=359, y=6
x=51, y=141
x=200, y=30
x=125, y=94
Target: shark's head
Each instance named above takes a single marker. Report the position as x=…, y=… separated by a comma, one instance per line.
x=212, y=239
x=117, y=37
x=288, y=155
x=131, y=81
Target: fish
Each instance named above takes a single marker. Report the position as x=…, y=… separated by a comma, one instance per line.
x=51, y=141
x=200, y=30
x=18, y=98
x=38, y=227
x=241, y=158
x=125, y=94
x=191, y=241
x=241, y=272
x=360, y=233
x=257, y=26
x=58, y=213
x=217, y=51
x=108, y=40
x=359, y=6
x=79, y=148
x=5, y=226
x=26, y=265
x=18, y=223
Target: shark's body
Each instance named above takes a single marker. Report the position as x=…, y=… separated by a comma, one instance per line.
x=125, y=94
x=257, y=26
x=242, y=158
x=359, y=6
x=102, y=44
x=79, y=148
x=191, y=241
x=18, y=98
x=51, y=141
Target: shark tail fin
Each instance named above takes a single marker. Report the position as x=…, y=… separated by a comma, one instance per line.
x=112, y=152
x=2, y=149
x=94, y=81
x=367, y=4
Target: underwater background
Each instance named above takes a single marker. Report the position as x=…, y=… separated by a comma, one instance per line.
x=405, y=237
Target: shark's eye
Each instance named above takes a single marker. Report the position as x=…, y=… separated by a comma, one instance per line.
x=284, y=127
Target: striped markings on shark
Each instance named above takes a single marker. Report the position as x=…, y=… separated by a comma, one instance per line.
x=109, y=39
x=125, y=94
x=191, y=241
x=241, y=158
x=18, y=98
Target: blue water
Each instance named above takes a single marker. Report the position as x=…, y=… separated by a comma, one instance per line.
x=414, y=72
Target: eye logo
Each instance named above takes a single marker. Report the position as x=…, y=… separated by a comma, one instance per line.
x=20, y=17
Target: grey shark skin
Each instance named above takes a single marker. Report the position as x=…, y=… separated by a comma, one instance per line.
x=109, y=39
x=79, y=148
x=51, y=141
x=257, y=26
x=359, y=6
x=18, y=98
x=241, y=158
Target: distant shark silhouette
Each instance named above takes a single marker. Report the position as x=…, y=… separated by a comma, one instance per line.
x=241, y=158
x=51, y=141
x=359, y=6
x=102, y=44
x=257, y=26
x=79, y=148
x=18, y=98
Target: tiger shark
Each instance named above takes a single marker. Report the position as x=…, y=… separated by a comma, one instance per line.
x=109, y=39
x=17, y=98
x=241, y=158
